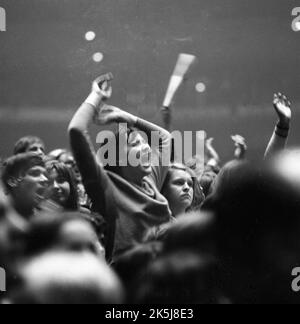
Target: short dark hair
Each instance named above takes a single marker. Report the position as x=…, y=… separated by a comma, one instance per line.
x=18, y=165
x=24, y=143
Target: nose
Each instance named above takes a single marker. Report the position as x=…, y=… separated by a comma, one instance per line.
x=40, y=152
x=55, y=185
x=186, y=187
x=43, y=179
x=146, y=148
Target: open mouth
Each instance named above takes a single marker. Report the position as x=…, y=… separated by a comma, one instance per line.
x=146, y=160
x=39, y=196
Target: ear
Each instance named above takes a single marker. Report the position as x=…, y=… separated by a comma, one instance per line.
x=13, y=182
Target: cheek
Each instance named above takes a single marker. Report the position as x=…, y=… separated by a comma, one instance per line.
x=134, y=152
x=174, y=192
x=28, y=184
x=65, y=187
x=192, y=192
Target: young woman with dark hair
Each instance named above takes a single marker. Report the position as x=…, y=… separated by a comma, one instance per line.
x=127, y=196
x=63, y=188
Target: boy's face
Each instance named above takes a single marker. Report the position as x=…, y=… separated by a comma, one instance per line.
x=37, y=148
x=33, y=186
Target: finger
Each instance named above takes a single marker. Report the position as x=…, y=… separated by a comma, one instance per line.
x=109, y=76
x=105, y=77
x=276, y=99
x=104, y=85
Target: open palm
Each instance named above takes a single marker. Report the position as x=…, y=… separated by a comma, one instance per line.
x=102, y=85
x=283, y=107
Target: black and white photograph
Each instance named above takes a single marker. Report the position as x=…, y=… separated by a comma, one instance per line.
x=149, y=154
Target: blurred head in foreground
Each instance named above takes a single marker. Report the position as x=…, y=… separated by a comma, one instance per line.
x=180, y=278
x=67, y=278
x=62, y=232
x=257, y=210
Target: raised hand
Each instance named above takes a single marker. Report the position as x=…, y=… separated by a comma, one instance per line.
x=283, y=108
x=102, y=85
x=240, y=147
x=209, y=143
x=211, y=152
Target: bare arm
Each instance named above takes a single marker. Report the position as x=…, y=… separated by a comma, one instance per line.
x=280, y=136
x=212, y=155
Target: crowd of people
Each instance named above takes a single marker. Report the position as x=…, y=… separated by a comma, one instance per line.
x=74, y=230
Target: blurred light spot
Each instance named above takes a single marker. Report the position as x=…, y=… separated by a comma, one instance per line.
x=298, y=25
x=90, y=36
x=200, y=87
x=98, y=57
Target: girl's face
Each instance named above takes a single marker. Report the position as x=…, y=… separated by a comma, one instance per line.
x=180, y=191
x=138, y=157
x=60, y=188
x=139, y=148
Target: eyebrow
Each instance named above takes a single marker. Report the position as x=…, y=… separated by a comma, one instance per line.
x=181, y=178
x=38, y=168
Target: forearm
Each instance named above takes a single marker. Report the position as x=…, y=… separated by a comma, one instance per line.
x=83, y=118
x=278, y=141
x=148, y=128
x=78, y=132
x=93, y=176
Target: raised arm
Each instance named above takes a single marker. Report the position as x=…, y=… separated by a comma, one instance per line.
x=240, y=147
x=213, y=158
x=280, y=136
x=94, y=177
x=110, y=114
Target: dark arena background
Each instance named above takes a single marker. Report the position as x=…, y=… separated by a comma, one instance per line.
x=145, y=216
x=246, y=51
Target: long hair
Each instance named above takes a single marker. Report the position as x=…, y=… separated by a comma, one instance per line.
x=198, y=192
x=67, y=174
